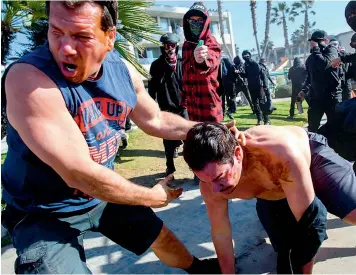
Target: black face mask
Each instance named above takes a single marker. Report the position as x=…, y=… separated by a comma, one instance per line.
x=247, y=58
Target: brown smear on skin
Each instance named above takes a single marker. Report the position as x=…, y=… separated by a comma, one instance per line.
x=262, y=169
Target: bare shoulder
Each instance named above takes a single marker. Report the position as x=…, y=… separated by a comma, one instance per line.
x=278, y=139
x=25, y=82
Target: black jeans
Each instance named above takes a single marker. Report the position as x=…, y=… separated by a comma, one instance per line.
x=294, y=98
x=316, y=110
x=171, y=145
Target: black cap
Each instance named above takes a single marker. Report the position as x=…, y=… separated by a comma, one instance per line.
x=246, y=52
x=169, y=38
x=198, y=9
x=318, y=35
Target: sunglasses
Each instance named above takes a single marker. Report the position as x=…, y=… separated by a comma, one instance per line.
x=169, y=46
x=194, y=21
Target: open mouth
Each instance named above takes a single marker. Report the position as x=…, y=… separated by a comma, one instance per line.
x=70, y=67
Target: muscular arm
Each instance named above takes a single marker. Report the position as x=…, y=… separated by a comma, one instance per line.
x=151, y=120
x=220, y=229
x=37, y=111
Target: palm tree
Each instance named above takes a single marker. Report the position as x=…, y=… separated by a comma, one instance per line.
x=254, y=25
x=268, y=21
x=281, y=14
x=135, y=25
x=221, y=19
x=305, y=7
x=12, y=16
x=269, y=48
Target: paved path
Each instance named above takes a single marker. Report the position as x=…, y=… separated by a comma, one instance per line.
x=188, y=219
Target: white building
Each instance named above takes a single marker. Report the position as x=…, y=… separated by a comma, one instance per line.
x=345, y=38
x=170, y=19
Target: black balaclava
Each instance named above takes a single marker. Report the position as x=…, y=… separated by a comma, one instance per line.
x=237, y=61
x=297, y=62
x=350, y=14
x=195, y=28
x=246, y=58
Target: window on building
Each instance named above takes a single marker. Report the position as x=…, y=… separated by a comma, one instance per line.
x=215, y=28
x=164, y=24
x=177, y=26
x=226, y=26
x=153, y=52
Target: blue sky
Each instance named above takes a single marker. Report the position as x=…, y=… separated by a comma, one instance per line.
x=329, y=17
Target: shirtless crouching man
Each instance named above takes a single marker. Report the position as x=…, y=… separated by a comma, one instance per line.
x=295, y=177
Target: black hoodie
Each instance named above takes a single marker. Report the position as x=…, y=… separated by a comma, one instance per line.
x=297, y=73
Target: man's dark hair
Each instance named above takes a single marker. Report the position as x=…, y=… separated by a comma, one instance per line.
x=209, y=142
x=109, y=17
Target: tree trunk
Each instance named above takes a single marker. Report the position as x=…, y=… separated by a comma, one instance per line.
x=220, y=12
x=268, y=22
x=306, y=31
x=254, y=25
x=285, y=32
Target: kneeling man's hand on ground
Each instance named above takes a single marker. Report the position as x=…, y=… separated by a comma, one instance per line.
x=165, y=194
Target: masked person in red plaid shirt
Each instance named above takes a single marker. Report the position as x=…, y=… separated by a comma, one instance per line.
x=200, y=67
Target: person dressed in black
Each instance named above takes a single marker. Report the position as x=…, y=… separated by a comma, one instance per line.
x=257, y=85
x=228, y=78
x=240, y=82
x=323, y=83
x=297, y=74
x=268, y=106
x=165, y=87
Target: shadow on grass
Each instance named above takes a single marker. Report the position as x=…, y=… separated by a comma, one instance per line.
x=142, y=153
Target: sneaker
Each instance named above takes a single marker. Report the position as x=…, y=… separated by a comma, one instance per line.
x=175, y=154
x=205, y=266
x=230, y=116
x=290, y=118
x=259, y=122
x=268, y=122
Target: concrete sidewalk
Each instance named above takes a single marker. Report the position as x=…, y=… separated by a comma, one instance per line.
x=187, y=218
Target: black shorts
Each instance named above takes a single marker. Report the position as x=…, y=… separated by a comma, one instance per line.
x=132, y=227
x=333, y=177
x=53, y=243
x=334, y=184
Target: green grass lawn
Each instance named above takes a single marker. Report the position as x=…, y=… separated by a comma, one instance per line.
x=245, y=119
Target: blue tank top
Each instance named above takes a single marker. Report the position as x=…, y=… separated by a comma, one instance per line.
x=99, y=108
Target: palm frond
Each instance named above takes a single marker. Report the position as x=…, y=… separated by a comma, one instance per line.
x=124, y=49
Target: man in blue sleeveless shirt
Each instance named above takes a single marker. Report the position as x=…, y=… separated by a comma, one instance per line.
x=66, y=103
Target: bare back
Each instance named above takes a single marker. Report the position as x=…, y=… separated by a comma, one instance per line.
x=265, y=165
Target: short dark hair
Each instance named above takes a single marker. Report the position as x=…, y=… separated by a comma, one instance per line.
x=109, y=16
x=209, y=142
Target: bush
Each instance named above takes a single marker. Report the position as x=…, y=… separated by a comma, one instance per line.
x=283, y=91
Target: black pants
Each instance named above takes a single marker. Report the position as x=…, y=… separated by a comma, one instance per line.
x=295, y=90
x=316, y=110
x=334, y=184
x=171, y=145
x=246, y=92
x=256, y=99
